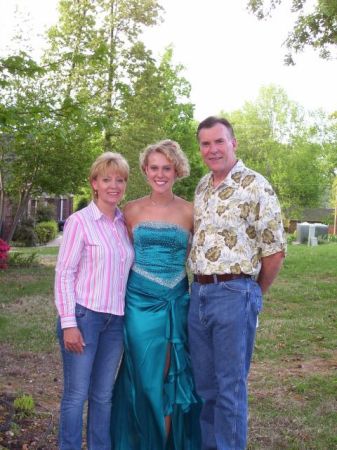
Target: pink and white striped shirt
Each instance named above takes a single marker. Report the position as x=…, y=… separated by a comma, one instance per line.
x=93, y=264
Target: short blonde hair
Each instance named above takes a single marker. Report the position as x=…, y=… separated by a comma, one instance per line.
x=107, y=161
x=172, y=151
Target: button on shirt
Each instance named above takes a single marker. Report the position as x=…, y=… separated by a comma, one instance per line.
x=93, y=264
x=235, y=224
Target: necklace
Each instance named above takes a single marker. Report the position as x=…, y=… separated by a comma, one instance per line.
x=163, y=205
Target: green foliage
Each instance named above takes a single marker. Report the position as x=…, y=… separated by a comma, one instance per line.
x=82, y=199
x=46, y=231
x=24, y=405
x=41, y=135
x=82, y=203
x=45, y=213
x=25, y=233
x=315, y=29
x=291, y=238
x=159, y=105
x=332, y=238
x=274, y=140
x=19, y=259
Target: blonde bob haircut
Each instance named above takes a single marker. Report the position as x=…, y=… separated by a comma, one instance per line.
x=109, y=161
x=173, y=153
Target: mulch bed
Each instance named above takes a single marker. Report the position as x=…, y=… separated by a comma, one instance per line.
x=18, y=432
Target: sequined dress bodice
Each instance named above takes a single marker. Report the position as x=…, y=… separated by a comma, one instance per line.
x=160, y=252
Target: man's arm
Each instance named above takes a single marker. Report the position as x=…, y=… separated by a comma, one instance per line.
x=270, y=267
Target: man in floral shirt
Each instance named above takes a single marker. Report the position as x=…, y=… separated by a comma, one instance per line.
x=237, y=250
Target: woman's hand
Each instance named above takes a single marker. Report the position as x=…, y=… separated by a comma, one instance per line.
x=73, y=340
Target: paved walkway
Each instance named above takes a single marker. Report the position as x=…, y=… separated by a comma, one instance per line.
x=55, y=242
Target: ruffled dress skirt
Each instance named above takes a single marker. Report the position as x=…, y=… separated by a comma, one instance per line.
x=147, y=388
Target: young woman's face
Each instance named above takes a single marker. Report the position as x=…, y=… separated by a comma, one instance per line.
x=110, y=187
x=160, y=173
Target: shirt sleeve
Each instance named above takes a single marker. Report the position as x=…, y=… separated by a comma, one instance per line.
x=69, y=257
x=271, y=232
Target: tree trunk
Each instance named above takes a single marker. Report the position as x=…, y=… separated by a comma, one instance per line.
x=24, y=198
x=108, y=134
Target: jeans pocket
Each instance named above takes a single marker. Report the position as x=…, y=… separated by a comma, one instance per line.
x=80, y=311
x=257, y=298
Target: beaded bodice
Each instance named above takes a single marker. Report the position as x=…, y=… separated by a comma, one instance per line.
x=160, y=252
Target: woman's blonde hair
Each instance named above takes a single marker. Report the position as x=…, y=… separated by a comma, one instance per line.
x=172, y=151
x=107, y=161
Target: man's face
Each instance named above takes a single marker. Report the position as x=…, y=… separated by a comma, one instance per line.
x=218, y=149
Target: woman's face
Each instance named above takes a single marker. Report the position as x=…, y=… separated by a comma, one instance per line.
x=160, y=173
x=110, y=187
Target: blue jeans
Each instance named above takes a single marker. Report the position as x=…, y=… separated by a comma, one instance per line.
x=222, y=324
x=90, y=376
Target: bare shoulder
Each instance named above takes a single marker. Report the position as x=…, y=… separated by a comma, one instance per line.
x=133, y=206
x=183, y=213
x=185, y=205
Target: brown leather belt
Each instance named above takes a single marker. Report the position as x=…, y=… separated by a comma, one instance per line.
x=207, y=279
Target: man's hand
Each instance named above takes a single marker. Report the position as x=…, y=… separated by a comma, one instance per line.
x=73, y=340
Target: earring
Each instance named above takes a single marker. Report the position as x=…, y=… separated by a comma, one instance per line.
x=96, y=193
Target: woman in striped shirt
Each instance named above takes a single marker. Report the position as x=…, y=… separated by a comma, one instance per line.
x=91, y=274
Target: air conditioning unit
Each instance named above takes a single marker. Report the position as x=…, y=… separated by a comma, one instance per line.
x=316, y=230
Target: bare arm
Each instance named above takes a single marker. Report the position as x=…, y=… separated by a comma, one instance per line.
x=270, y=267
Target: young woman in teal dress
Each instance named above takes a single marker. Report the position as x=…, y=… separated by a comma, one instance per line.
x=155, y=404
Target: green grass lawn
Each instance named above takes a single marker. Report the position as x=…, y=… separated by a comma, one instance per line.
x=293, y=381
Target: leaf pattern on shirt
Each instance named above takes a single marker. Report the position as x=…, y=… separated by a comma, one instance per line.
x=201, y=237
x=221, y=209
x=230, y=238
x=213, y=254
x=251, y=232
x=247, y=180
x=237, y=177
x=236, y=269
x=226, y=193
x=236, y=223
x=268, y=236
x=245, y=210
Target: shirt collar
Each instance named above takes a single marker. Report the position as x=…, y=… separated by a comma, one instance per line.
x=238, y=167
x=98, y=215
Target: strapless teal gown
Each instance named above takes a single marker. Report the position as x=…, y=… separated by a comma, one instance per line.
x=157, y=302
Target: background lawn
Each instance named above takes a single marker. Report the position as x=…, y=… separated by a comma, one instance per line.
x=293, y=381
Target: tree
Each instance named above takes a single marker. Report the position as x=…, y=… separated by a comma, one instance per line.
x=92, y=49
x=316, y=29
x=157, y=107
x=44, y=146
x=278, y=141
x=101, y=62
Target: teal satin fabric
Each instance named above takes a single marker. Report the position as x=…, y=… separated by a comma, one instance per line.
x=156, y=319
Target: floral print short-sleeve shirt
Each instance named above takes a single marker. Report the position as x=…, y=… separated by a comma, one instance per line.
x=235, y=224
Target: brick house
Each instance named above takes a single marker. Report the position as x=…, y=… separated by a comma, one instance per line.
x=62, y=206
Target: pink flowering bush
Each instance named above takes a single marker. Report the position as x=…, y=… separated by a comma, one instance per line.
x=4, y=249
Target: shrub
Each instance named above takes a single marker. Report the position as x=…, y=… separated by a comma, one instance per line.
x=4, y=249
x=45, y=213
x=25, y=233
x=18, y=259
x=46, y=231
x=82, y=203
x=291, y=238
